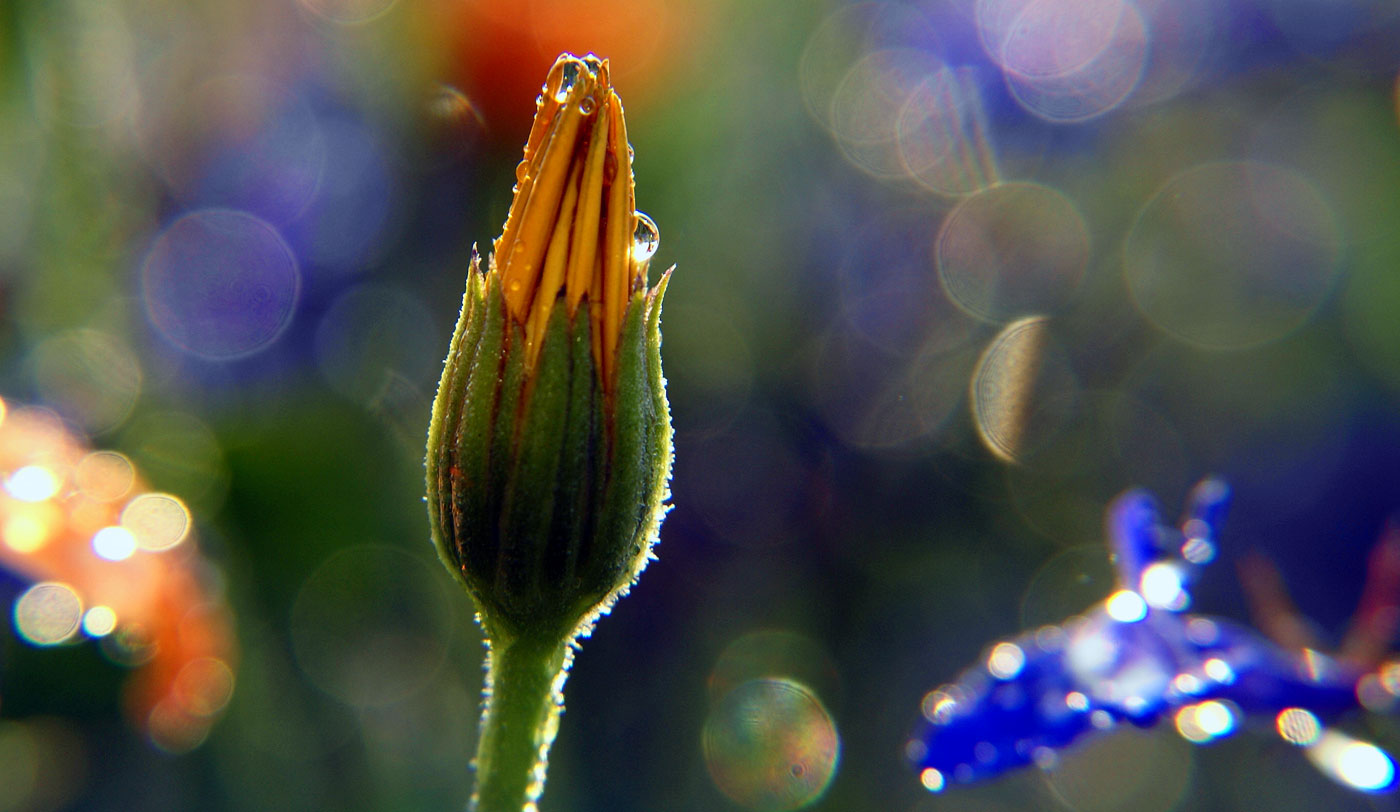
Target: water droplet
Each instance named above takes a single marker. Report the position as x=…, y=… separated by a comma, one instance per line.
x=586, y=105
x=568, y=77
x=645, y=239
x=539, y=101
x=594, y=64
x=521, y=170
x=631, y=153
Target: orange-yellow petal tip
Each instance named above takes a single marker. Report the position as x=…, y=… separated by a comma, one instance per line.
x=573, y=228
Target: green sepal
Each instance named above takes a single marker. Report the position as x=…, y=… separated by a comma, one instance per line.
x=533, y=486
x=447, y=417
x=473, y=494
x=545, y=495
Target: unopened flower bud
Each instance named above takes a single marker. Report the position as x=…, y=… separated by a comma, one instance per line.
x=549, y=450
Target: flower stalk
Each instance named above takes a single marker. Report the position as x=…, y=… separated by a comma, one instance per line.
x=549, y=450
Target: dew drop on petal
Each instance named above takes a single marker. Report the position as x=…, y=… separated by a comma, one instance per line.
x=646, y=238
x=568, y=78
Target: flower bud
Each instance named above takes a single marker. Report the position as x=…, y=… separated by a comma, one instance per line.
x=549, y=450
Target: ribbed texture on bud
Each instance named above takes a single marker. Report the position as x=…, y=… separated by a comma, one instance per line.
x=545, y=495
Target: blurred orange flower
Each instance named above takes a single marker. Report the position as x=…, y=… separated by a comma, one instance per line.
x=498, y=49
x=110, y=559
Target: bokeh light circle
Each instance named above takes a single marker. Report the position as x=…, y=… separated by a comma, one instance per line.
x=774, y=653
x=1072, y=60
x=450, y=127
x=1067, y=585
x=220, y=284
x=48, y=613
x=114, y=543
x=348, y=12
x=942, y=134
x=157, y=521
x=1181, y=33
x=371, y=625
x=771, y=746
x=178, y=452
x=99, y=621
x=1298, y=726
x=1232, y=255
x=104, y=476
x=1018, y=372
x=89, y=376
x=44, y=764
x=372, y=335
x=1011, y=250
x=866, y=109
x=1145, y=771
x=844, y=38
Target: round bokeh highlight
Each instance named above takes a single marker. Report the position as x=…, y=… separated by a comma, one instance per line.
x=220, y=284
x=1232, y=255
x=1011, y=250
x=771, y=746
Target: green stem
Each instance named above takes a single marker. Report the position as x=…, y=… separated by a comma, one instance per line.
x=524, y=697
